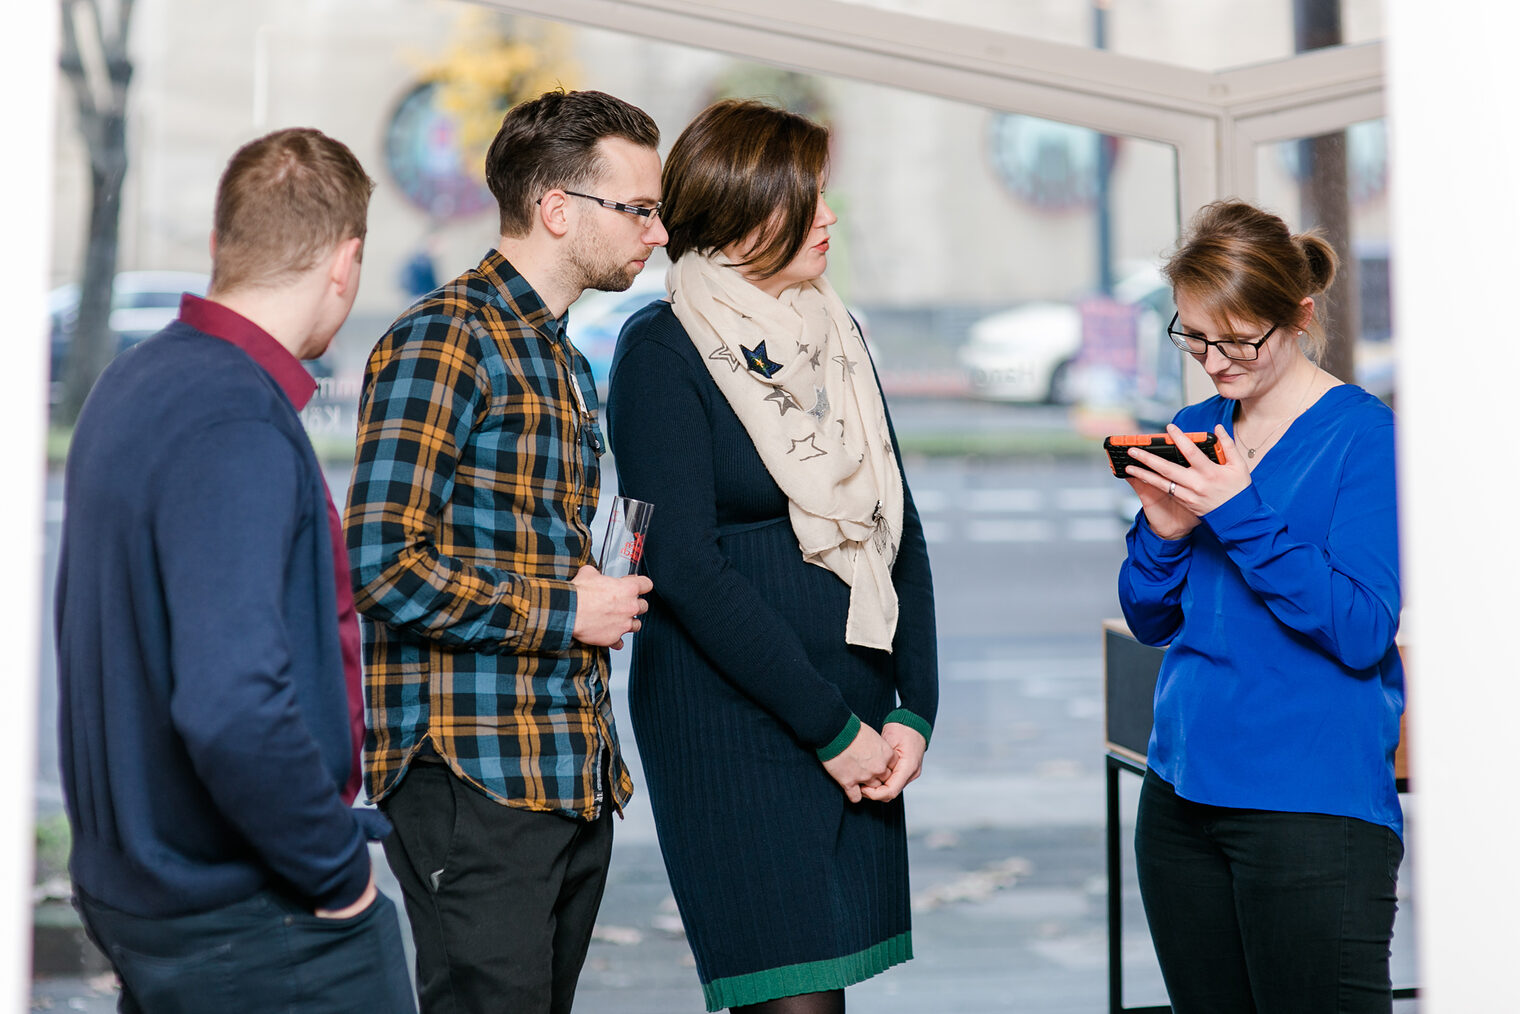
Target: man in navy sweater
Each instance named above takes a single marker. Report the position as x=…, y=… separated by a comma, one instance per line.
x=210, y=710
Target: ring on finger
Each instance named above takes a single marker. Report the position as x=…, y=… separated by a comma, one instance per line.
x=1170, y=490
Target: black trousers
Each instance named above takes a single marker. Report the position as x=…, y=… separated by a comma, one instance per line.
x=502, y=901
x=1260, y=912
x=267, y=954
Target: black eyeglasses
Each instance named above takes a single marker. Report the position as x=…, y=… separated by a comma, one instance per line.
x=1233, y=348
x=631, y=209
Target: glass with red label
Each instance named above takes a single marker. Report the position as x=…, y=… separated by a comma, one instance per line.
x=623, y=547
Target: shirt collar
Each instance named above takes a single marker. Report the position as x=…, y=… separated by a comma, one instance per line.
x=230, y=326
x=521, y=297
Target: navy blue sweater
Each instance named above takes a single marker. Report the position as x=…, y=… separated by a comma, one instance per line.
x=202, y=710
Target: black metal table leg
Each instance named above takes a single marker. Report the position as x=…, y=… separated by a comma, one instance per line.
x=1113, y=766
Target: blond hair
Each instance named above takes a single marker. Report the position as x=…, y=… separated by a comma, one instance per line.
x=284, y=200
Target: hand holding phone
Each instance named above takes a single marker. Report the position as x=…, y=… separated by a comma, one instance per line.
x=1175, y=493
x=1160, y=444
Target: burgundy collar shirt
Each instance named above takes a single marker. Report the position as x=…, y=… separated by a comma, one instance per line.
x=299, y=386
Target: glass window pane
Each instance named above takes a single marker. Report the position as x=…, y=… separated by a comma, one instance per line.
x=1005, y=270
x=1338, y=183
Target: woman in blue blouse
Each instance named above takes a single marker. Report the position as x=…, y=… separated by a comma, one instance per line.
x=1269, y=833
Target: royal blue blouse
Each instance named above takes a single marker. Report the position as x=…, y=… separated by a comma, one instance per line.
x=1282, y=686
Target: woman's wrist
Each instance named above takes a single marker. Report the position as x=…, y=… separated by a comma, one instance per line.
x=902, y=716
x=836, y=746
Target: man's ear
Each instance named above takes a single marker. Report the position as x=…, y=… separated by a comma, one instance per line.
x=347, y=255
x=554, y=212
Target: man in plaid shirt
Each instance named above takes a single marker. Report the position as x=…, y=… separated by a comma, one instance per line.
x=491, y=744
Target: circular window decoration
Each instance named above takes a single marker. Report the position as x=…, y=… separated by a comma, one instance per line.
x=424, y=156
x=1053, y=166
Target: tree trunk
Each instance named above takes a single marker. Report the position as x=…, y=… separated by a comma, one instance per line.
x=93, y=344
x=1322, y=164
x=1325, y=205
x=94, y=59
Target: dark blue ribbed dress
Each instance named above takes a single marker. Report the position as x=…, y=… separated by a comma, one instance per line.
x=740, y=673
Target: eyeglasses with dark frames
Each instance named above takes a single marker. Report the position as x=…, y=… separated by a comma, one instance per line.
x=648, y=214
x=1238, y=349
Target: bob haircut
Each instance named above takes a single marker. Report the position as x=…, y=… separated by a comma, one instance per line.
x=1242, y=263
x=740, y=169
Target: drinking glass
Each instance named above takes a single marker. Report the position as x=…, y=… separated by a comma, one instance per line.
x=623, y=546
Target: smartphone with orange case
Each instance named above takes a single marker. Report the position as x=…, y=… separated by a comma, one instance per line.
x=1159, y=444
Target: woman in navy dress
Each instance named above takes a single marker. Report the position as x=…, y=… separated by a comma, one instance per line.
x=784, y=683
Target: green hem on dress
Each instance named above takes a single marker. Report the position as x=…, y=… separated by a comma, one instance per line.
x=809, y=976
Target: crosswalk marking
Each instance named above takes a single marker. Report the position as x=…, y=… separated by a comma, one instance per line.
x=1010, y=531
x=988, y=501
x=1094, y=501
x=930, y=501
x=936, y=532
x=1021, y=515
x=1076, y=500
x=1095, y=529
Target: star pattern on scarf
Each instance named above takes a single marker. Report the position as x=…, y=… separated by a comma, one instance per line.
x=725, y=355
x=783, y=399
x=807, y=443
x=820, y=404
x=847, y=363
x=757, y=360
x=814, y=357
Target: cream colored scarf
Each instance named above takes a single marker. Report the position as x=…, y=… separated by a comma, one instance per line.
x=796, y=373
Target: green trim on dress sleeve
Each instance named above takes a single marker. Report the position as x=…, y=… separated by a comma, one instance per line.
x=836, y=746
x=902, y=716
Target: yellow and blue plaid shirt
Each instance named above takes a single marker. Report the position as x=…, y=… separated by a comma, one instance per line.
x=475, y=481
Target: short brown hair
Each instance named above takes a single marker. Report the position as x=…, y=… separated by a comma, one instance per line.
x=740, y=166
x=551, y=142
x=283, y=201
x=1242, y=263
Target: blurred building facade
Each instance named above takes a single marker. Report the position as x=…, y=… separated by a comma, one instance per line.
x=947, y=210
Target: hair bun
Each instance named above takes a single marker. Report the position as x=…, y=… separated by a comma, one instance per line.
x=1320, y=257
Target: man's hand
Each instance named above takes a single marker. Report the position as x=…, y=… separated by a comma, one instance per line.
x=606, y=608
x=908, y=746
x=365, y=900
x=864, y=764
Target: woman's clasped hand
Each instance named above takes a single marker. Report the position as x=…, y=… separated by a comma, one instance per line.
x=877, y=766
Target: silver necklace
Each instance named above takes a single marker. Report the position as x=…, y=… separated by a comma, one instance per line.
x=1251, y=451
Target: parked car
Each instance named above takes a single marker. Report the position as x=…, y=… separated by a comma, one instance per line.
x=1027, y=353
x=142, y=302
x=1034, y=352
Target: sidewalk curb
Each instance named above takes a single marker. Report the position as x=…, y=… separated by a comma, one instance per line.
x=60, y=946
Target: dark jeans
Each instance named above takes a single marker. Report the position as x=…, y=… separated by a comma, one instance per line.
x=1260, y=912
x=265, y=955
x=502, y=901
